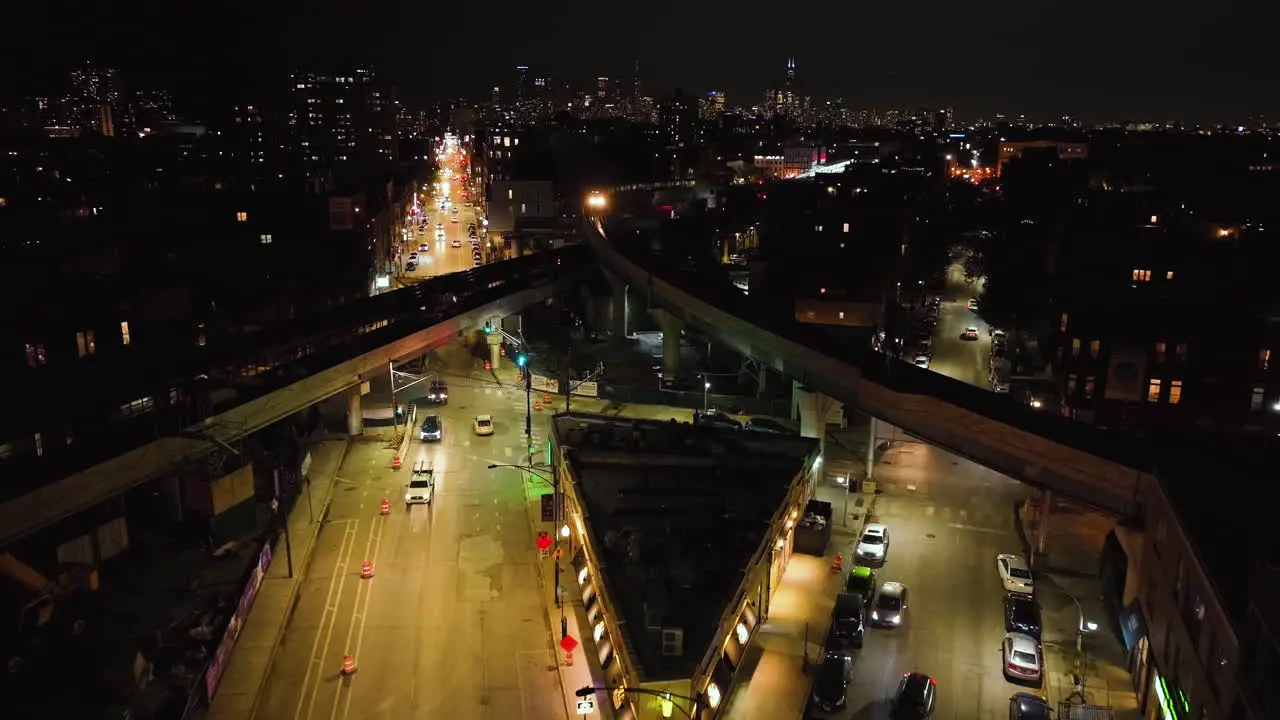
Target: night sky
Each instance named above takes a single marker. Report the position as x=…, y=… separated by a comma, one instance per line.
x=1100, y=60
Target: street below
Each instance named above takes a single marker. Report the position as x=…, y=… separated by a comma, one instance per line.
x=968, y=361
x=452, y=624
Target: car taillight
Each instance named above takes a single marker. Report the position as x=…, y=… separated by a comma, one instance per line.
x=1014, y=668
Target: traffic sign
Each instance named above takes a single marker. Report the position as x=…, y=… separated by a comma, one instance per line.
x=568, y=644
x=586, y=706
x=544, y=541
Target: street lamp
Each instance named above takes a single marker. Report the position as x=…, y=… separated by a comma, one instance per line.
x=1082, y=627
x=706, y=390
x=667, y=699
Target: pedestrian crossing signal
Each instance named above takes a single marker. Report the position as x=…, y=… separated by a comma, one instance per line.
x=522, y=359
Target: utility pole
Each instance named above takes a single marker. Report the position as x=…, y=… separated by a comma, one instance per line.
x=568, y=378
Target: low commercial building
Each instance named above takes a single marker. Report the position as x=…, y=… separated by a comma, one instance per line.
x=679, y=536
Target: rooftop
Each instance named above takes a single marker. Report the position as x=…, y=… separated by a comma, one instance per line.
x=677, y=512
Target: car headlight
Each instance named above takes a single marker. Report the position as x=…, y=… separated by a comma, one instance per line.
x=875, y=615
x=896, y=619
x=407, y=497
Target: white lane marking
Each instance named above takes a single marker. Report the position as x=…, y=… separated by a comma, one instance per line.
x=507, y=452
x=315, y=661
x=360, y=614
x=993, y=531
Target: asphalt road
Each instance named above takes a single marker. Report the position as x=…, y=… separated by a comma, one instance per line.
x=965, y=360
x=442, y=258
x=452, y=625
x=948, y=519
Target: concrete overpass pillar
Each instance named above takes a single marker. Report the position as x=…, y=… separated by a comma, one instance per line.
x=355, y=412
x=620, y=310
x=871, y=450
x=1042, y=521
x=672, y=328
x=813, y=408
x=495, y=348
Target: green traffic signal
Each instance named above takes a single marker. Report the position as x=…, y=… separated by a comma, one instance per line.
x=522, y=359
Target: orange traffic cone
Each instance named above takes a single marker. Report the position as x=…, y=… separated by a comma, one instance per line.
x=837, y=564
x=395, y=462
x=537, y=404
x=568, y=659
x=348, y=665
x=386, y=507
x=366, y=570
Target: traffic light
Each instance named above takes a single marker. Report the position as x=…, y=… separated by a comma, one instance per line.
x=522, y=360
x=488, y=327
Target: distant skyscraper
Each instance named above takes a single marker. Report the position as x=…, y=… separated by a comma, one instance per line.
x=96, y=99
x=602, y=88
x=636, y=91
x=523, y=89
x=678, y=119
x=344, y=124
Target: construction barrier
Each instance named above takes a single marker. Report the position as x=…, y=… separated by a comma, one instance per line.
x=837, y=564
x=537, y=404
x=395, y=463
x=366, y=570
x=386, y=507
x=348, y=665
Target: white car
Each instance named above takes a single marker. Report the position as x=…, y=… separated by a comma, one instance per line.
x=456, y=243
x=1015, y=574
x=873, y=546
x=422, y=485
x=922, y=361
x=970, y=333
x=973, y=304
x=890, y=606
x=484, y=424
x=1021, y=657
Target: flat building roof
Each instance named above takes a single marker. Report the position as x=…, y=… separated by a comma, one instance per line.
x=676, y=513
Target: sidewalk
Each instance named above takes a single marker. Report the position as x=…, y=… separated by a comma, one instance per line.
x=574, y=676
x=775, y=677
x=1070, y=569
x=246, y=672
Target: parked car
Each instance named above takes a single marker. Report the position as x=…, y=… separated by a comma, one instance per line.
x=767, y=425
x=862, y=581
x=1021, y=657
x=831, y=685
x=1015, y=574
x=1025, y=706
x=873, y=546
x=1022, y=614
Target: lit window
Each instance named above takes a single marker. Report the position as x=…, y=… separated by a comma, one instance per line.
x=1153, y=390
x=510, y=194
x=1160, y=350
x=39, y=445
x=1264, y=358
x=1075, y=347
x=1255, y=403
x=523, y=208
x=1141, y=275
x=124, y=332
x=713, y=695
x=1168, y=275
x=846, y=227
x=841, y=314
x=84, y=343
x=242, y=216
x=1089, y=385
x=1062, y=324
x=1175, y=392
x=1095, y=347
x=1155, y=219
x=35, y=355
x=265, y=238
